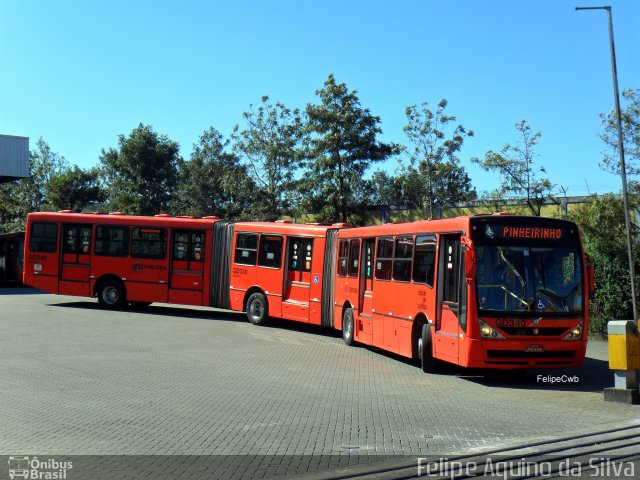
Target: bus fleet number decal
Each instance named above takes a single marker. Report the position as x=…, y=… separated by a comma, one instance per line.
x=510, y=322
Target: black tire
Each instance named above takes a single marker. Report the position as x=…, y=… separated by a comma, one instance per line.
x=112, y=295
x=140, y=304
x=257, y=309
x=347, y=327
x=425, y=350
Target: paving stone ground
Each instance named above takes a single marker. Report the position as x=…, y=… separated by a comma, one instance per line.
x=78, y=380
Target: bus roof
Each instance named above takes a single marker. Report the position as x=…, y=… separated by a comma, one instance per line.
x=285, y=228
x=460, y=224
x=120, y=219
x=419, y=226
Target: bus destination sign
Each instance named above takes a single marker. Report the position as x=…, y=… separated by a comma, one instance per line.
x=523, y=232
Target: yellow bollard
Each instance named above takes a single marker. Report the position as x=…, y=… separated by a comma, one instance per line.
x=624, y=360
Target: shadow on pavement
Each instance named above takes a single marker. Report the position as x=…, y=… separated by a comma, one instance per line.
x=165, y=311
x=19, y=290
x=594, y=376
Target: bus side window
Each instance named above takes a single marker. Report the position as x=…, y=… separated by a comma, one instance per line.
x=270, y=251
x=354, y=252
x=148, y=242
x=196, y=252
x=246, y=248
x=402, y=259
x=44, y=237
x=343, y=258
x=384, y=258
x=112, y=241
x=180, y=246
x=424, y=259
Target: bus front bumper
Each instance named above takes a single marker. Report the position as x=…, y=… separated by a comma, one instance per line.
x=534, y=353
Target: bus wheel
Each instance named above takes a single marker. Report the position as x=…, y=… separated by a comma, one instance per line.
x=425, y=350
x=347, y=327
x=112, y=295
x=257, y=309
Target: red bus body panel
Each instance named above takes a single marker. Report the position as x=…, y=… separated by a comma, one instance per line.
x=163, y=279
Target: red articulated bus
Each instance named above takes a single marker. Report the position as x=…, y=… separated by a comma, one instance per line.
x=493, y=291
x=120, y=258
x=282, y=270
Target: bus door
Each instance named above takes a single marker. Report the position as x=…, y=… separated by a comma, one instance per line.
x=295, y=303
x=76, y=259
x=187, y=267
x=449, y=302
x=365, y=301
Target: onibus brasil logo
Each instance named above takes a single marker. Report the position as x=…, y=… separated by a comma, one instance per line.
x=32, y=468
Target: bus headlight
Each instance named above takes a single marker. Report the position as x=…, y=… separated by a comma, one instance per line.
x=575, y=333
x=487, y=331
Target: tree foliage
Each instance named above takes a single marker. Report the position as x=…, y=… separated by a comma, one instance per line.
x=514, y=164
x=341, y=147
x=630, y=116
x=602, y=227
x=141, y=174
x=435, y=176
x=212, y=181
x=270, y=145
x=75, y=189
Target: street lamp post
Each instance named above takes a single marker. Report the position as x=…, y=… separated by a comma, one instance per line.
x=623, y=169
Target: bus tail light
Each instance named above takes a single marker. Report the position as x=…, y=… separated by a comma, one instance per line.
x=575, y=333
x=487, y=331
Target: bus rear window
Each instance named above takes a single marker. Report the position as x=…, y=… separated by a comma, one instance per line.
x=44, y=237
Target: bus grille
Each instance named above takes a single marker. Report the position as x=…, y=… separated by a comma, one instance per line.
x=494, y=354
x=542, y=332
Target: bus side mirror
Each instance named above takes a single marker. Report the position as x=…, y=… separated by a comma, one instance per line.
x=469, y=259
x=591, y=275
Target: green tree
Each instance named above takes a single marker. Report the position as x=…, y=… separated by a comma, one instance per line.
x=212, y=181
x=342, y=146
x=386, y=189
x=435, y=176
x=141, y=174
x=75, y=189
x=270, y=145
x=602, y=228
x=514, y=164
x=630, y=115
x=27, y=195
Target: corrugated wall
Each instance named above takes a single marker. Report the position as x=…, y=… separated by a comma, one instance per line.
x=14, y=156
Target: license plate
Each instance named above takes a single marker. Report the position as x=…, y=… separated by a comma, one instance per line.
x=534, y=348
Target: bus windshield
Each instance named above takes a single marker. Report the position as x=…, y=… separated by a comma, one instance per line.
x=521, y=278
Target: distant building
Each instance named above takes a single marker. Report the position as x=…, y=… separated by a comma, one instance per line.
x=14, y=158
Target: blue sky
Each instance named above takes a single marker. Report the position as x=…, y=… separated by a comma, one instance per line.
x=79, y=73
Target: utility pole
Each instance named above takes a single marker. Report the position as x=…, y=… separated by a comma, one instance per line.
x=623, y=168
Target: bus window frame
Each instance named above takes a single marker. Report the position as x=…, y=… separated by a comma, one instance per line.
x=282, y=242
x=342, y=242
x=126, y=241
x=349, y=264
x=376, y=259
x=55, y=243
x=255, y=250
x=434, y=267
x=410, y=260
x=163, y=242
